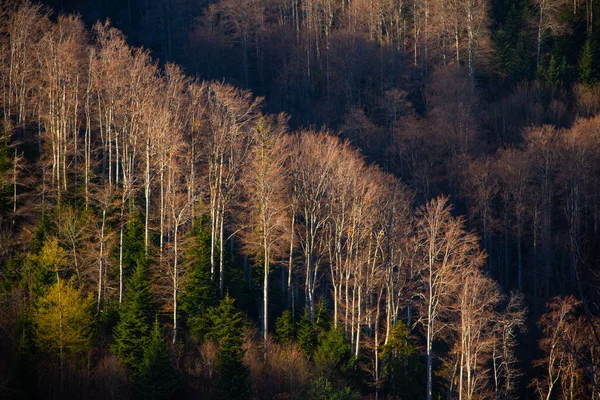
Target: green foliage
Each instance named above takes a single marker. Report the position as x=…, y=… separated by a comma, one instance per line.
x=284, y=327
x=403, y=371
x=226, y=327
x=512, y=62
x=12, y=273
x=333, y=356
x=134, y=251
x=321, y=389
x=157, y=378
x=587, y=70
x=45, y=228
x=41, y=268
x=322, y=316
x=131, y=334
x=63, y=320
x=199, y=291
x=554, y=73
x=306, y=334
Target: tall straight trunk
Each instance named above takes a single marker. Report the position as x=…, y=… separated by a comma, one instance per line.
x=357, y=341
x=175, y=278
x=221, y=257
x=266, y=294
x=101, y=259
x=162, y=211
x=147, y=197
x=14, y=216
x=429, y=340
x=122, y=223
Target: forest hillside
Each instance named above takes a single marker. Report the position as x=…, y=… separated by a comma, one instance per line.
x=299, y=199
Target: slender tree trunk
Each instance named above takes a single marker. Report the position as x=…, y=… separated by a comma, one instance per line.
x=101, y=260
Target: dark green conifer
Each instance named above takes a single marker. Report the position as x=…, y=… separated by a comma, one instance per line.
x=132, y=331
x=134, y=251
x=157, y=378
x=226, y=327
x=284, y=327
x=587, y=73
x=199, y=291
x=333, y=356
x=306, y=334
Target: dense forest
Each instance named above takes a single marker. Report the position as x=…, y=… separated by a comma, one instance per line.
x=300, y=199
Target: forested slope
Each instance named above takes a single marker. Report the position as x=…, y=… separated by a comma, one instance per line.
x=166, y=233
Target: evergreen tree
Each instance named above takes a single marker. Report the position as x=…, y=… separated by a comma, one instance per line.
x=131, y=334
x=157, y=378
x=226, y=327
x=199, y=291
x=554, y=74
x=511, y=57
x=322, y=317
x=306, y=334
x=133, y=244
x=403, y=371
x=587, y=73
x=323, y=390
x=333, y=356
x=284, y=327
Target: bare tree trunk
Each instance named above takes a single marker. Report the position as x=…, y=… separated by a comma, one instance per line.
x=101, y=259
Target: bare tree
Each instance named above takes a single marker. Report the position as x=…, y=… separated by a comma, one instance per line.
x=447, y=251
x=264, y=183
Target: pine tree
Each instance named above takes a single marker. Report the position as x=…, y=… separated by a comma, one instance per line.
x=587, y=73
x=284, y=327
x=133, y=244
x=403, y=371
x=226, y=327
x=322, y=318
x=333, y=356
x=157, y=378
x=306, y=334
x=132, y=330
x=199, y=291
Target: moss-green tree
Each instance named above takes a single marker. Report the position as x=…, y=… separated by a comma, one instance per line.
x=131, y=334
x=226, y=327
x=157, y=378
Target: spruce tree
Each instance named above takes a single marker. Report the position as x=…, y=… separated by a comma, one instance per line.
x=226, y=327
x=333, y=356
x=284, y=327
x=587, y=75
x=199, y=291
x=157, y=378
x=131, y=334
x=306, y=334
x=133, y=244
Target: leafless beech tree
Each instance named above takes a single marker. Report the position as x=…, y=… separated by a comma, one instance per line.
x=447, y=253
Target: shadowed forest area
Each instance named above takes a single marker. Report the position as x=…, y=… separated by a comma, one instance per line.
x=300, y=199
